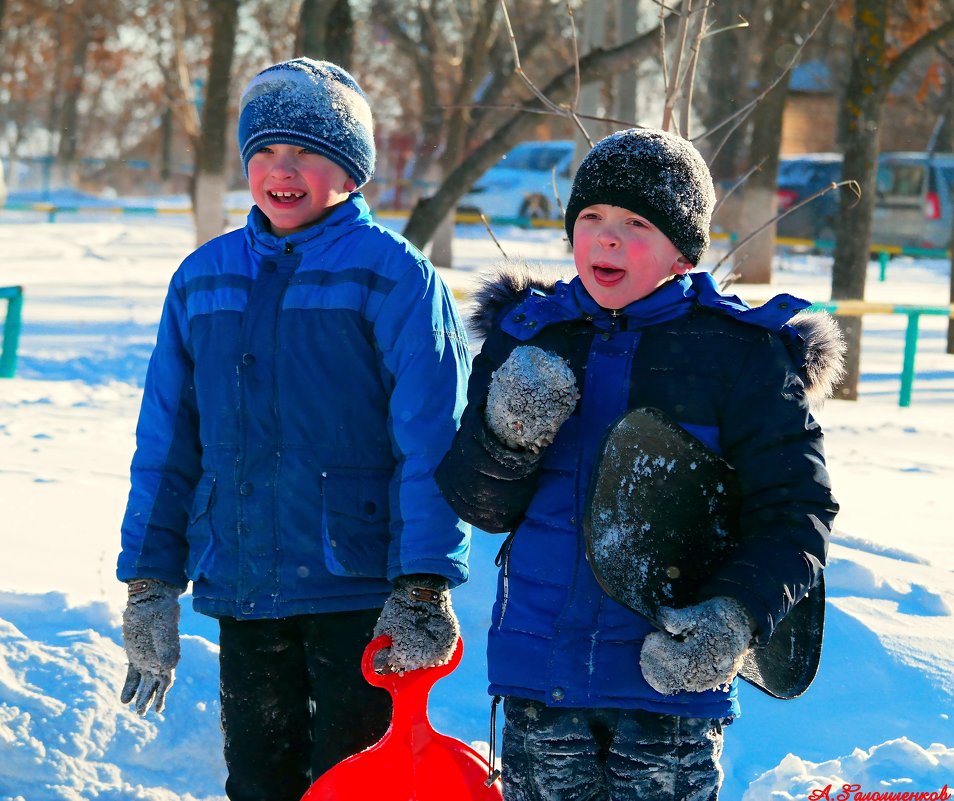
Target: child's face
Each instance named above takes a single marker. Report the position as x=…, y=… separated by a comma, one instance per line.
x=294, y=187
x=621, y=256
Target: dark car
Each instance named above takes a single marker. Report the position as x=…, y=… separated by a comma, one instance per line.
x=800, y=177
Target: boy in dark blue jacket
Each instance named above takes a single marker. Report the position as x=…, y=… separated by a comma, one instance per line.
x=598, y=704
x=309, y=373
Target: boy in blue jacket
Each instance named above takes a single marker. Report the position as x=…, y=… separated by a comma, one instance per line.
x=309, y=373
x=598, y=704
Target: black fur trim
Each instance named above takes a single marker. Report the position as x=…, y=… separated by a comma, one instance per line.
x=505, y=285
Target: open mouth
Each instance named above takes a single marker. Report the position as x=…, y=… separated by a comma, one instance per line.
x=606, y=275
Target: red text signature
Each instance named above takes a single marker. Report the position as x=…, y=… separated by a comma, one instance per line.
x=853, y=792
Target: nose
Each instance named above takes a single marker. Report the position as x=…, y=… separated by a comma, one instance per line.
x=283, y=164
x=607, y=237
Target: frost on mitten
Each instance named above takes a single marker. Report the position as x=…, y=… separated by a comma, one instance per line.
x=702, y=647
x=151, y=640
x=420, y=620
x=530, y=396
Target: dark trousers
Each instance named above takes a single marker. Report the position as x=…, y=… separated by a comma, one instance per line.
x=552, y=754
x=294, y=702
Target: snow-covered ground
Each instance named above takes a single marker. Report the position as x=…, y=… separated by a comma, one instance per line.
x=878, y=716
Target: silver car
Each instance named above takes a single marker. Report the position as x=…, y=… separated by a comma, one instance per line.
x=913, y=206
x=521, y=185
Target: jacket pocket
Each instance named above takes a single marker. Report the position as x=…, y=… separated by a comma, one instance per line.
x=355, y=517
x=200, y=534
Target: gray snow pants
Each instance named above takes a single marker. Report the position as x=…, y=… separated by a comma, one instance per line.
x=559, y=754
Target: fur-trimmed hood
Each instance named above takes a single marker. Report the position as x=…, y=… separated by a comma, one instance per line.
x=822, y=344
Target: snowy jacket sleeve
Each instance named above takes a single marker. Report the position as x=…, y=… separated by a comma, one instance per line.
x=167, y=463
x=485, y=482
x=776, y=447
x=426, y=362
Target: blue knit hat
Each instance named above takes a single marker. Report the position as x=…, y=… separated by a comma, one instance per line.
x=314, y=104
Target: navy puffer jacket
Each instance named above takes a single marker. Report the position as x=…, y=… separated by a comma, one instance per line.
x=302, y=391
x=734, y=377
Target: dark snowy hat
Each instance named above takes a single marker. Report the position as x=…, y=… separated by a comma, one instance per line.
x=315, y=104
x=656, y=174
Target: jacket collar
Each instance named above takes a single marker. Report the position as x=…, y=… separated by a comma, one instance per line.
x=570, y=301
x=772, y=315
x=339, y=220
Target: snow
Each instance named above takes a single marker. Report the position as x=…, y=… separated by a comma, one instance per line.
x=879, y=715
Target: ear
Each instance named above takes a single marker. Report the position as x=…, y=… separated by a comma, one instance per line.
x=350, y=185
x=681, y=266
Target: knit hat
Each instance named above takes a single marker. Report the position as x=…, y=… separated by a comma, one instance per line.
x=655, y=174
x=314, y=104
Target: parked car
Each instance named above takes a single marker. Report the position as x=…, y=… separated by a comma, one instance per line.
x=913, y=206
x=521, y=183
x=3, y=187
x=800, y=177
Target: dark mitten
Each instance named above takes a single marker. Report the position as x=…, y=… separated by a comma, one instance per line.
x=530, y=396
x=702, y=647
x=420, y=621
x=151, y=638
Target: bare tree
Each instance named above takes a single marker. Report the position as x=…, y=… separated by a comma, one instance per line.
x=210, y=170
x=873, y=71
x=512, y=127
x=448, y=53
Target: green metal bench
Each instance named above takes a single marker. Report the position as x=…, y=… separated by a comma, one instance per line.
x=857, y=308
x=11, y=329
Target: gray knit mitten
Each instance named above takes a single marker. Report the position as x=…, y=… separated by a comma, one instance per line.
x=420, y=620
x=151, y=638
x=702, y=647
x=530, y=396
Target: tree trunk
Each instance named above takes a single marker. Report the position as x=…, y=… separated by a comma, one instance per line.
x=861, y=122
x=339, y=39
x=950, y=320
x=753, y=261
x=326, y=31
x=730, y=67
x=946, y=143
x=625, y=85
x=69, y=112
x=165, y=149
x=210, y=183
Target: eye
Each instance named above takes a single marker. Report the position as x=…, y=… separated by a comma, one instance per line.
x=637, y=222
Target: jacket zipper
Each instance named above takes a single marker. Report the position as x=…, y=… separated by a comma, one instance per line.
x=502, y=560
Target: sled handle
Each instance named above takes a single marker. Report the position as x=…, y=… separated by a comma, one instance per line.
x=395, y=681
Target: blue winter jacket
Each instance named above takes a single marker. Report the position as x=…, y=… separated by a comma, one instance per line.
x=734, y=378
x=300, y=395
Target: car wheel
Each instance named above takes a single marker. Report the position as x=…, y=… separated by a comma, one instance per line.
x=535, y=207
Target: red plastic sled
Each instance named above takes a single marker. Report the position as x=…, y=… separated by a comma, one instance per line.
x=412, y=762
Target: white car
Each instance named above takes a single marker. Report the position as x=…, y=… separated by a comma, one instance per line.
x=521, y=185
